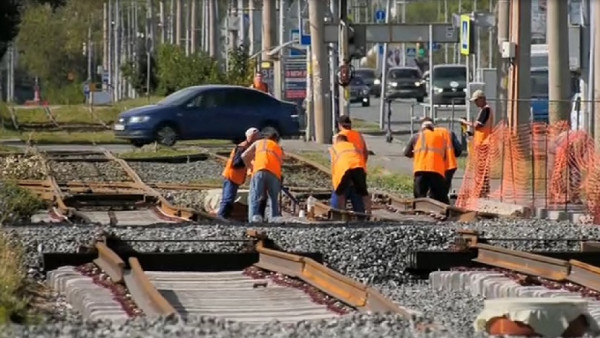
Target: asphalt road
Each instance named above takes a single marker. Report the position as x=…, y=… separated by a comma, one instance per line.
x=401, y=114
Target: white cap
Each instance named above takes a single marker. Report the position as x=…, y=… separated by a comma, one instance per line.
x=478, y=94
x=251, y=132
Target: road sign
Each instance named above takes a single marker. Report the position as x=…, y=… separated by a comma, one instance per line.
x=86, y=89
x=380, y=15
x=105, y=77
x=295, y=35
x=465, y=34
x=411, y=52
x=305, y=32
x=395, y=33
x=436, y=46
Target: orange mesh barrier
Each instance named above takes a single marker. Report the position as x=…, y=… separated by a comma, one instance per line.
x=535, y=165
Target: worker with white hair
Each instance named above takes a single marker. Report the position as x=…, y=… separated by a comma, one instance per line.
x=428, y=149
x=235, y=173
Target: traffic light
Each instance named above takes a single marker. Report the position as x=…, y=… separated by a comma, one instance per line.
x=357, y=41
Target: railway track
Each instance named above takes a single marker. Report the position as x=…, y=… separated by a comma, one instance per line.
x=260, y=285
x=93, y=187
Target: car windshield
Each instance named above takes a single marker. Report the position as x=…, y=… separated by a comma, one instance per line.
x=356, y=82
x=404, y=74
x=539, y=84
x=365, y=73
x=177, y=98
x=450, y=73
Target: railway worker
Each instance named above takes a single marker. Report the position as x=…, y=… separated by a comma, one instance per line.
x=348, y=170
x=428, y=149
x=266, y=174
x=483, y=127
x=356, y=138
x=453, y=150
x=235, y=173
x=259, y=84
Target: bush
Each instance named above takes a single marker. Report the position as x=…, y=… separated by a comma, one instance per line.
x=69, y=94
x=175, y=70
x=13, y=304
x=16, y=203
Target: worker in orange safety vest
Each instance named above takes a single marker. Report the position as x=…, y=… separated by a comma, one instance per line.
x=266, y=174
x=348, y=168
x=483, y=127
x=428, y=149
x=453, y=150
x=259, y=84
x=235, y=173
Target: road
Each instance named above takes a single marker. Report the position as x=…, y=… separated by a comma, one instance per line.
x=401, y=115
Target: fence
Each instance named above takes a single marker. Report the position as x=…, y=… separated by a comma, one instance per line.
x=536, y=164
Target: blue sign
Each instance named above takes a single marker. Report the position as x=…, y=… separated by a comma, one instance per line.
x=295, y=36
x=105, y=77
x=411, y=52
x=380, y=15
x=86, y=89
x=305, y=32
x=436, y=46
x=465, y=34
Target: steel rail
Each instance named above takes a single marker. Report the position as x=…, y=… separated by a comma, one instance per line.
x=144, y=294
x=164, y=205
x=109, y=262
x=328, y=281
x=523, y=262
x=585, y=275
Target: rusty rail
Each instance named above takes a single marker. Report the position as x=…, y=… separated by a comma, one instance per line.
x=523, y=262
x=110, y=262
x=328, y=281
x=144, y=294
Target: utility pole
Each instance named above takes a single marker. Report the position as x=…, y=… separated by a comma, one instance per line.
x=172, y=22
x=233, y=33
x=384, y=67
x=242, y=4
x=388, y=9
x=204, y=26
x=178, y=23
x=596, y=67
x=251, y=39
x=88, y=53
x=333, y=62
x=502, y=31
x=105, y=25
x=323, y=125
x=186, y=23
x=193, y=25
x=268, y=27
x=117, y=50
x=110, y=53
x=163, y=25
x=490, y=37
x=558, y=60
x=213, y=29
x=344, y=55
x=520, y=83
x=446, y=21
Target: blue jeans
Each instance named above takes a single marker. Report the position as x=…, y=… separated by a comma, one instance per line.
x=358, y=204
x=227, y=199
x=263, y=183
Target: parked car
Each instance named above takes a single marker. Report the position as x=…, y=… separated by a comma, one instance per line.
x=371, y=79
x=359, y=92
x=207, y=112
x=449, y=83
x=405, y=83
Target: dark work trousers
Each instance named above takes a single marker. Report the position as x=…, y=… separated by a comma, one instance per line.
x=227, y=198
x=430, y=183
x=449, y=177
x=358, y=204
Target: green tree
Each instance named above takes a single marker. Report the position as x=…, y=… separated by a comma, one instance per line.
x=175, y=70
x=240, y=67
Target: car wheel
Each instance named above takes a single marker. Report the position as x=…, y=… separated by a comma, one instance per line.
x=166, y=135
x=138, y=143
x=366, y=104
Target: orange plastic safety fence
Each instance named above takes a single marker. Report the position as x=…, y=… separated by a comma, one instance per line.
x=535, y=165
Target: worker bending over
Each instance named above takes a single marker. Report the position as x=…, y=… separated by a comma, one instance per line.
x=266, y=174
x=483, y=126
x=356, y=138
x=428, y=148
x=453, y=150
x=235, y=173
x=348, y=169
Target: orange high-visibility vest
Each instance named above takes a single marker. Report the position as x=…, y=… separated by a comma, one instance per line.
x=269, y=157
x=344, y=156
x=237, y=176
x=355, y=138
x=260, y=86
x=480, y=136
x=450, y=157
x=430, y=153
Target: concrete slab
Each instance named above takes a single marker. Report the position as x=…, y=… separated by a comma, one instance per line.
x=502, y=208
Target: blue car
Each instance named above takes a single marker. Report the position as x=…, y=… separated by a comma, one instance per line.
x=207, y=112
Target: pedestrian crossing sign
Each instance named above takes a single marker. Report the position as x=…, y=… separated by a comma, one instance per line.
x=465, y=34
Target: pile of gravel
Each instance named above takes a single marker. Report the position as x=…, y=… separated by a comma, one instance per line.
x=22, y=167
x=100, y=171
x=193, y=199
x=355, y=325
x=208, y=171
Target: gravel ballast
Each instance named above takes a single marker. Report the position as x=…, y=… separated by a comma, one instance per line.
x=199, y=171
x=371, y=253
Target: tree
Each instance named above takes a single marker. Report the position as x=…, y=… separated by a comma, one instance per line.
x=136, y=71
x=240, y=68
x=9, y=22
